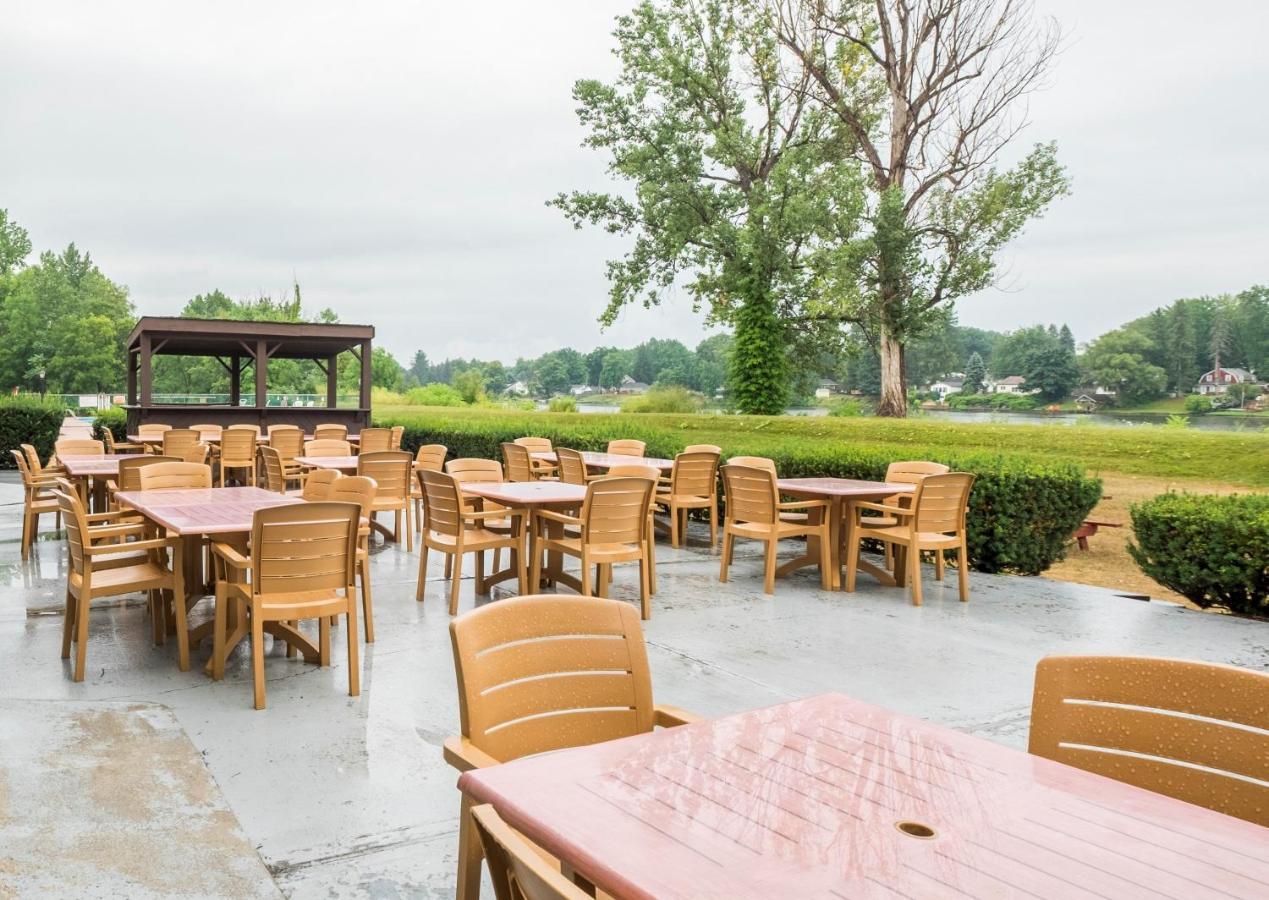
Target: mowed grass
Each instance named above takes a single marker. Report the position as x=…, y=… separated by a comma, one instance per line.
x=1234, y=458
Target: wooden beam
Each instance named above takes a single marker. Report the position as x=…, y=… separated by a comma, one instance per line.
x=332, y=382
x=235, y=380
x=365, y=375
x=132, y=377
x=262, y=375
x=147, y=372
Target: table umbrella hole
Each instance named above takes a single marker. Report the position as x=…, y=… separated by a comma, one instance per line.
x=915, y=829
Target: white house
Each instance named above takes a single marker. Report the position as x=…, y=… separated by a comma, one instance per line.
x=945, y=387
x=630, y=386
x=1010, y=384
x=519, y=388
x=1217, y=381
x=827, y=389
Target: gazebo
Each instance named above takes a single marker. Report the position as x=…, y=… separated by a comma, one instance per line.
x=237, y=345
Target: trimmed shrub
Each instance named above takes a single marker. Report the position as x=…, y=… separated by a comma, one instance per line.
x=663, y=399
x=114, y=420
x=28, y=420
x=562, y=404
x=434, y=394
x=1213, y=550
x=1022, y=510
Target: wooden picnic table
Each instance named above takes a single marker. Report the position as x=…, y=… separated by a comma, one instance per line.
x=338, y=463
x=523, y=499
x=841, y=494
x=829, y=797
x=596, y=460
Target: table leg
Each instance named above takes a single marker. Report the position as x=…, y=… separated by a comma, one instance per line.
x=835, y=505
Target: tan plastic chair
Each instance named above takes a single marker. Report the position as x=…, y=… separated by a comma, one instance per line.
x=238, y=451
x=289, y=442
x=572, y=467
x=153, y=428
x=275, y=430
x=394, y=440
x=516, y=867
x=652, y=473
x=754, y=512
x=477, y=469
x=542, y=673
x=429, y=458
x=145, y=568
x=627, y=447
x=302, y=566
x=703, y=448
x=541, y=468
x=176, y=441
x=243, y=427
x=198, y=453
x=118, y=448
x=360, y=490
x=451, y=525
x=327, y=447
x=79, y=447
x=129, y=478
x=1195, y=731
x=39, y=498
x=317, y=485
x=38, y=469
x=175, y=476
x=516, y=459
x=935, y=521
x=693, y=485
x=209, y=430
x=330, y=432
x=375, y=440
x=613, y=528
x=393, y=472
x=274, y=475
x=903, y=472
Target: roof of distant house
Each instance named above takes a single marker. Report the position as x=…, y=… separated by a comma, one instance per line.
x=1011, y=379
x=1242, y=374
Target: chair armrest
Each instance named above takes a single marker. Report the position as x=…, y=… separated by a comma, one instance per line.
x=883, y=508
x=498, y=513
x=672, y=716
x=113, y=514
x=558, y=517
x=464, y=756
x=804, y=504
x=161, y=543
x=231, y=556
x=101, y=532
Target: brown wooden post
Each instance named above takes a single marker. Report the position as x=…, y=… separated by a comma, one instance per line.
x=365, y=377
x=132, y=377
x=332, y=382
x=147, y=373
x=262, y=375
x=235, y=380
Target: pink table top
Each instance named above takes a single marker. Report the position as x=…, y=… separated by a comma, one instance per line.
x=81, y=466
x=804, y=800
x=527, y=493
x=340, y=463
x=203, y=510
x=608, y=460
x=840, y=487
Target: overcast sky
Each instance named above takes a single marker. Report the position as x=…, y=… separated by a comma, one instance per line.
x=395, y=158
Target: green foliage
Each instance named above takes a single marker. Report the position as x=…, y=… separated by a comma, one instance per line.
x=1176, y=420
x=115, y=420
x=1213, y=550
x=1002, y=402
x=851, y=407
x=669, y=399
x=470, y=385
x=1043, y=356
x=1117, y=360
x=562, y=404
x=1197, y=404
x=1022, y=510
x=434, y=394
x=28, y=420
x=975, y=375
x=15, y=244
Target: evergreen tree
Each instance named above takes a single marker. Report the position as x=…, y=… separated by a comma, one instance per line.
x=975, y=375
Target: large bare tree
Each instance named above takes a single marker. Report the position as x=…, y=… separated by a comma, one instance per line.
x=929, y=91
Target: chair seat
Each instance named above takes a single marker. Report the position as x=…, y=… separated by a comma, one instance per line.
x=682, y=499
x=126, y=578
x=901, y=534
x=762, y=532
x=387, y=503
x=473, y=539
x=598, y=553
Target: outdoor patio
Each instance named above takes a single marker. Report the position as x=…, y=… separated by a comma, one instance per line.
x=340, y=796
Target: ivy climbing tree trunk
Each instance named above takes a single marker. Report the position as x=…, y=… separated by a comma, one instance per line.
x=759, y=362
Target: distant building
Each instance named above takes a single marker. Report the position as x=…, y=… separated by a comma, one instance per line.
x=583, y=390
x=1217, y=381
x=630, y=386
x=945, y=387
x=519, y=388
x=1010, y=384
x=827, y=389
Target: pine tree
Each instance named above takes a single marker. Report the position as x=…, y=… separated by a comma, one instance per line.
x=975, y=375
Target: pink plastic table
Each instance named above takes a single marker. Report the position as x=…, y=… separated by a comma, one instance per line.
x=829, y=798
x=95, y=469
x=523, y=498
x=338, y=463
x=608, y=460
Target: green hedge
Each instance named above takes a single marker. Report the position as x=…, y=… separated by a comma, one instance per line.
x=1212, y=549
x=28, y=420
x=1022, y=510
x=115, y=420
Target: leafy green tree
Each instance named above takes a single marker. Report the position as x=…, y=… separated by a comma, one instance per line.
x=595, y=364
x=385, y=371
x=15, y=244
x=975, y=374
x=420, y=368
x=1052, y=370
x=551, y=376
x=730, y=183
x=470, y=384
x=617, y=365
x=1181, y=348
x=711, y=363
x=1117, y=360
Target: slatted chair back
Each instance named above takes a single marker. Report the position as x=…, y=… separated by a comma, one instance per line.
x=1195, y=731
x=237, y=448
x=633, y=470
x=153, y=428
x=330, y=432
x=79, y=447
x=209, y=430
x=535, y=444
x=274, y=472
x=75, y=521
x=327, y=447
x=627, y=447
x=474, y=469
x=175, y=476
x=317, y=484
x=394, y=441
x=196, y=453
x=913, y=471
x=572, y=466
x=754, y=462
x=275, y=430
x=544, y=672
x=108, y=438
x=354, y=489
x=431, y=457
x=130, y=470
x=289, y=442
x=33, y=456
x=304, y=549
x=442, y=503
x=391, y=470
x=941, y=502
x=516, y=869
x=178, y=440
x=28, y=477
x=254, y=429
x=751, y=494
x=375, y=440
x=703, y=448
x=519, y=466
x=695, y=474
x=616, y=509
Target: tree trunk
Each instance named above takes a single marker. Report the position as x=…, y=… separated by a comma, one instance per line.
x=894, y=383
x=758, y=361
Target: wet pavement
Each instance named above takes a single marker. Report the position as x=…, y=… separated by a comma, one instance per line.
x=336, y=796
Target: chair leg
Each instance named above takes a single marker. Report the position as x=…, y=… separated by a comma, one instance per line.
x=535, y=574
x=603, y=577
x=913, y=554
x=26, y=534
x=257, y=658
x=645, y=598
x=218, y=633
x=455, y=583
x=469, y=854
x=586, y=578
x=409, y=529
x=68, y=624
x=826, y=561
x=418, y=590
x=728, y=540
x=480, y=573
x=449, y=565
x=182, y=628
x=938, y=564
x=354, y=664
x=81, y=636
x=768, y=583
x=674, y=526
x=367, y=604
x=713, y=525
x=962, y=570
x=652, y=561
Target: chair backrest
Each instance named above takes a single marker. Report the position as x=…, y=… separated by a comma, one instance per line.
x=516, y=869
x=196, y=453
x=175, y=475
x=28, y=477
x=431, y=457
x=751, y=494
x=317, y=484
x=254, y=429
x=519, y=467
x=274, y=473
x=550, y=671
x=130, y=469
x=394, y=441
x=634, y=470
x=627, y=447
x=695, y=474
x=941, y=501
x=572, y=466
x=33, y=457
x=177, y=440
x=330, y=432
x=75, y=521
x=237, y=447
x=392, y=470
x=913, y=471
x=288, y=442
x=279, y=428
x=107, y=437
x=1192, y=730
x=209, y=429
x=375, y=440
x=304, y=549
x=327, y=447
x=354, y=489
x=442, y=503
x=535, y=444
x=473, y=468
x=616, y=509
x=152, y=428
x=754, y=462
x=79, y=447
x=703, y=448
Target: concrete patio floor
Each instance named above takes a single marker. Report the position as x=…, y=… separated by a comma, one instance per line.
x=341, y=796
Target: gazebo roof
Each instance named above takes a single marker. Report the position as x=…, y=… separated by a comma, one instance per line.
x=176, y=336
